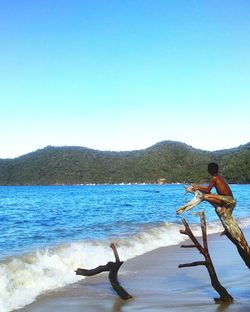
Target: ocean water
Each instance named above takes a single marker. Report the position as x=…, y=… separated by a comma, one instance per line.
x=49, y=231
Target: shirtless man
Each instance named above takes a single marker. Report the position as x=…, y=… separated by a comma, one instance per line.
x=224, y=204
x=224, y=198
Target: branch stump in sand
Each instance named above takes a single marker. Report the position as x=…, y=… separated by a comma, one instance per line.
x=112, y=268
x=224, y=295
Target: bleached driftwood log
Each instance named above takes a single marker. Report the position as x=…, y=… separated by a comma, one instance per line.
x=198, y=198
x=112, y=268
x=232, y=229
x=224, y=295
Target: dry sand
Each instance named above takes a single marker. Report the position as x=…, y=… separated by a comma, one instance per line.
x=157, y=284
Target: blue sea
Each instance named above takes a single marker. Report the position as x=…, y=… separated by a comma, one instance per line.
x=49, y=231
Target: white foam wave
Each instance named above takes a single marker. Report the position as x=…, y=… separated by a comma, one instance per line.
x=244, y=222
x=24, y=278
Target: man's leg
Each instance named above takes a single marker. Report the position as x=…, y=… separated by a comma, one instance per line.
x=214, y=199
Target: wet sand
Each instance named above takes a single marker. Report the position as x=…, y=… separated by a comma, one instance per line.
x=157, y=284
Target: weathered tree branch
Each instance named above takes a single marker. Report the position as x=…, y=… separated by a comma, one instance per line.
x=224, y=295
x=185, y=265
x=188, y=246
x=112, y=268
x=112, y=246
x=97, y=270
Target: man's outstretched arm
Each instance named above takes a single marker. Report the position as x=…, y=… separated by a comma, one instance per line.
x=202, y=188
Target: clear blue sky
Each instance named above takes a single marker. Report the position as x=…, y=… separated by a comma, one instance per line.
x=123, y=74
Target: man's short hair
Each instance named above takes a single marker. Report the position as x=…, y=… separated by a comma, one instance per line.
x=213, y=168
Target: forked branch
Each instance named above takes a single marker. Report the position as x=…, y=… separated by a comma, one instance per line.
x=224, y=295
x=112, y=268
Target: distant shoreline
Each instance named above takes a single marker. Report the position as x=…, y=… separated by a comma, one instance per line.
x=111, y=184
x=163, y=163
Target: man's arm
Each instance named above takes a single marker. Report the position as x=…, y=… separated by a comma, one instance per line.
x=204, y=189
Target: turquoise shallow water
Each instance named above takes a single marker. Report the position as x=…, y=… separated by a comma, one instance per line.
x=49, y=231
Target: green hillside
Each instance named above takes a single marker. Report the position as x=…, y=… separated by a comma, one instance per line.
x=172, y=161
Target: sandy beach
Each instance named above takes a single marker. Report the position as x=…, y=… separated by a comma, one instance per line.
x=157, y=284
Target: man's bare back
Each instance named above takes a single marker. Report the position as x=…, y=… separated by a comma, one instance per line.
x=221, y=186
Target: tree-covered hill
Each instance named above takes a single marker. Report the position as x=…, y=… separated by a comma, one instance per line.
x=172, y=161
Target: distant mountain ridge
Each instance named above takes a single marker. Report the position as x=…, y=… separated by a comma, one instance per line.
x=167, y=161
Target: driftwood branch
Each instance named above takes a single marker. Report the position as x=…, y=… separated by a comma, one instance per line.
x=224, y=295
x=112, y=246
x=196, y=263
x=112, y=268
x=188, y=246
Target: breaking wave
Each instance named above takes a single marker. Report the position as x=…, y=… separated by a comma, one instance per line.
x=25, y=277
